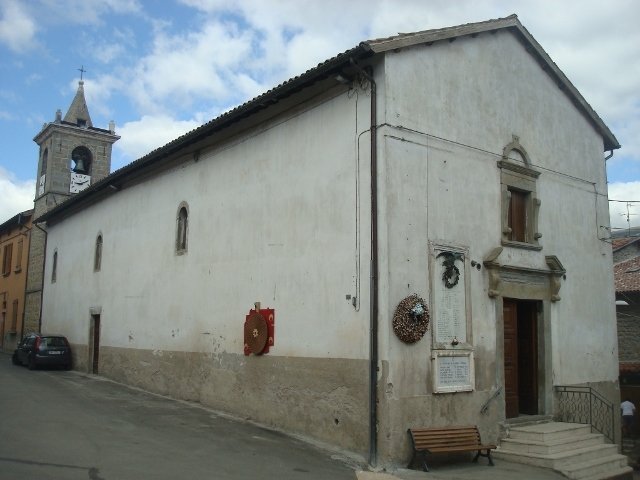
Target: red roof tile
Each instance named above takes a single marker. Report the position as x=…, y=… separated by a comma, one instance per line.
x=627, y=275
x=618, y=243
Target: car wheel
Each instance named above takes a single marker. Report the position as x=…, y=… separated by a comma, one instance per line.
x=14, y=359
x=32, y=363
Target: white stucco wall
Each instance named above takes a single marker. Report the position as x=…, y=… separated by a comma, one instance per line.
x=450, y=109
x=273, y=217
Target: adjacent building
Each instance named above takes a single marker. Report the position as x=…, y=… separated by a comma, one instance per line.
x=15, y=234
x=626, y=257
x=403, y=214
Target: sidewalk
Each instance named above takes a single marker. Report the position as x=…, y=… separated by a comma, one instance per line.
x=631, y=448
x=502, y=470
x=468, y=471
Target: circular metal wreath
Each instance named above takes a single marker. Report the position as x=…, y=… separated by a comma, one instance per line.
x=411, y=319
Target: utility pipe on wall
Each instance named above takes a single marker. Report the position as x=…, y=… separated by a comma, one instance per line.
x=373, y=318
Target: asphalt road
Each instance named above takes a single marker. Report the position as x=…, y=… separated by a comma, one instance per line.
x=64, y=425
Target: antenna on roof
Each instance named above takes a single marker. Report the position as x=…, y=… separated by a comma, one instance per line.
x=628, y=215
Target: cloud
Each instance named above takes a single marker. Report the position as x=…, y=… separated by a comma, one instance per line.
x=17, y=196
x=17, y=28
x=149, y=133
x=87, y=12
x=182, y=69
x=623, y=192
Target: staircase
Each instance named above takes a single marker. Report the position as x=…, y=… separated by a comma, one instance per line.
x=568, y=448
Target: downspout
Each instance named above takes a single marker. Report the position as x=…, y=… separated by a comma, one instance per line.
x=44, y=262
x=27, y=235
x=373, y=318
x=609, y=156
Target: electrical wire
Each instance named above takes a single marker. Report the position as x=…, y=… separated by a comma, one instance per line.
x=499, y=155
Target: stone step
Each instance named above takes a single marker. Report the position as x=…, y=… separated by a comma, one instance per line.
x=551, y=431
x=595, y=469
x=552, y=446
x=559, y=460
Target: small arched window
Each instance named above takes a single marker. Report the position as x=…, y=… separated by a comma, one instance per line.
x=45, y=157
x=97, y=259
x=43, y=172
x=55, y=267
x=182, y=228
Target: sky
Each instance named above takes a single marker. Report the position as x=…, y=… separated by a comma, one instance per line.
x=160, y=68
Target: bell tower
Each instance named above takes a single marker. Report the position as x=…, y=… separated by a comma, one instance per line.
x=73, y=156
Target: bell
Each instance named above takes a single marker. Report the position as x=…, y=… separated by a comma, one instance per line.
x=79, y=168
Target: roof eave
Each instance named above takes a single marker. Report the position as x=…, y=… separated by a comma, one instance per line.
x=115, y=180
x=16, y=220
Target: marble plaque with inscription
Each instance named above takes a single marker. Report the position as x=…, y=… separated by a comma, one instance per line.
x=453, y=372
x=450, y=306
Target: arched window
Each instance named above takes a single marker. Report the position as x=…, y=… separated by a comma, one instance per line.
x=45, y=157
x=43, y=171
x=97, y=259
x=81, y=160
x=182, y=228
x=55, y=267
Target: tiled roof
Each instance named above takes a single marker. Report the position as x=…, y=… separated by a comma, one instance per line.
x=627, y=275
x=629, y=367
x=19, y=219
x=617, y=243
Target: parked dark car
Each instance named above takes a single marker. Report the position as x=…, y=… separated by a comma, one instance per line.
x=37, y=350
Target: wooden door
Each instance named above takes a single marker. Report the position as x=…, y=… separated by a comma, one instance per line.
x=520, y=357
x=528, y=357
x=510, y=318
x=96, y=343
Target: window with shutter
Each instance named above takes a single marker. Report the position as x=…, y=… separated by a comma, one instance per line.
x=6, y=259
x=520, y=205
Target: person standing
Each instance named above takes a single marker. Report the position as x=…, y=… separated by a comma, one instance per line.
x=628, y=412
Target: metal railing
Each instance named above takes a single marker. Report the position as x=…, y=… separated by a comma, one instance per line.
x=585, y=405
x=485, y=407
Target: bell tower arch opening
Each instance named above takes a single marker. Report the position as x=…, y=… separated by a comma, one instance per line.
x=81, y=160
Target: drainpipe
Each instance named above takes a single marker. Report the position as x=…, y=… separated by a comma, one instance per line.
x=44, y=261
x=373, y=319
x=26, y=234
x=609, y=156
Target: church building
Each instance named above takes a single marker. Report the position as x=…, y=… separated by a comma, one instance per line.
x=412, y=233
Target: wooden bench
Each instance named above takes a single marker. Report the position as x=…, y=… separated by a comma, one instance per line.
x=447, y=440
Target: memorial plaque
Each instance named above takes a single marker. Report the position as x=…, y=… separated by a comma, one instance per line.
x=450, y=305
x=453, y=371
